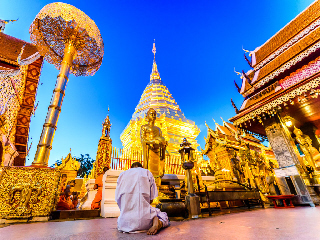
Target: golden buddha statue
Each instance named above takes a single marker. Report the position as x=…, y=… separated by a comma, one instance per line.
x=312, y=155
x=153, y=147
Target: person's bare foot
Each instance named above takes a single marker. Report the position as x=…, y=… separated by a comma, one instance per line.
x=156, y=225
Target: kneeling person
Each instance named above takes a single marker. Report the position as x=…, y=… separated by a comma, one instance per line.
x=136, y=189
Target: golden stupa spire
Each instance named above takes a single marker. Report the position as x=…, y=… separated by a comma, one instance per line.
x=154, y=50
x=154, y=74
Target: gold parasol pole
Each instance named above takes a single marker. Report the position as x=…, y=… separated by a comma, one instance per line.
x=45, y=143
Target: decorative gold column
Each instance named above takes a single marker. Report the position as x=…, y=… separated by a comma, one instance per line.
x=289, y=165
x=45, y=143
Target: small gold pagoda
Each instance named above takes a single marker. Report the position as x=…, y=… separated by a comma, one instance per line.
x=236, y=155
x=170, y=119
x=69, y=166
x=103, y=158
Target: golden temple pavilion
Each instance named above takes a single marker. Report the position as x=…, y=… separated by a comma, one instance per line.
x=170, y=119
x=281, y=102
x=239, y=156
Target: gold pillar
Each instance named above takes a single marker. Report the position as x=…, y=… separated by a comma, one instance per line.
x=45, y=142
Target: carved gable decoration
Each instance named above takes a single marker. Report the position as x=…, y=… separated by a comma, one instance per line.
x=68, y=164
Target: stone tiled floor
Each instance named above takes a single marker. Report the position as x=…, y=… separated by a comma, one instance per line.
x=294, y=223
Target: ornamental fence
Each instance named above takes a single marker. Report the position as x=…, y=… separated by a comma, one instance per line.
x=122, y=160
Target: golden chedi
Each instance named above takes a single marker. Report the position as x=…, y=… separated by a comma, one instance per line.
x=170, y=119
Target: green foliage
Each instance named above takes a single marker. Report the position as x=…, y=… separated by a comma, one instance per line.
x=86, y=165
x=58, y=162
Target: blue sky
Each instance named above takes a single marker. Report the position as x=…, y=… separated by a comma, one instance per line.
x=198, y=45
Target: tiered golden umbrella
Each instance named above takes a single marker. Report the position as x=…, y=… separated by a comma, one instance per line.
x=71, y=41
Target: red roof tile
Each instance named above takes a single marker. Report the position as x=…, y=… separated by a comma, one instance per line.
x=11, y=48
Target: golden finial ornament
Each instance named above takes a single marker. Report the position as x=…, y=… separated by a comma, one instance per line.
x=71, y=41
x=154, y=49
x=154, y=74
x=238, y=73
x=3, y=24
x=106, y=126
x=214, y=121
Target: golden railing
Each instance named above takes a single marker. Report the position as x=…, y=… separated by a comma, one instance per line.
x=122, y=160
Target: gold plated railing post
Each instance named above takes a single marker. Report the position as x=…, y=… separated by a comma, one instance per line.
x=45, y=142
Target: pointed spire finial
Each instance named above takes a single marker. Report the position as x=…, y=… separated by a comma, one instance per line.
x=3, y=24
x=106, y=126
x=247, y=51
x=238, y=88
x=154, y=74
x=154, y=49
x=238, y=73
x=234, y=106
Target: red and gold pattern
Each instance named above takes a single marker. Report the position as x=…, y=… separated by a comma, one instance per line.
x=26, y=110
x=301, y=74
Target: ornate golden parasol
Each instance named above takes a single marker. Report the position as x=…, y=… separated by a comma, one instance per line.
x=71, y=41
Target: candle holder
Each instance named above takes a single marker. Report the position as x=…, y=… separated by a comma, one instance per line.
x=187, y=158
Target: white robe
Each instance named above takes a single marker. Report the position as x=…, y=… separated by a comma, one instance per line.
x=135, y=189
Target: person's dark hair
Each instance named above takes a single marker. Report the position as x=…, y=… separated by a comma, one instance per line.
x=136, y=164
x=72, y=183
x=63, y=175
x=105, y=169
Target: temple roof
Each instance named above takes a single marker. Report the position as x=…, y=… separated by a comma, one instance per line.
x=231, y=127
x=228, y=135
x=230, y=132
x=20, y=69
x=293, y=28
x=10, y=53
x=224, y=130
x=295, y=42
x=284, y=67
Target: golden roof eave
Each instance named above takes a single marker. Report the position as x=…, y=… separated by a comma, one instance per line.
x=275, y=100
x=300, y=22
